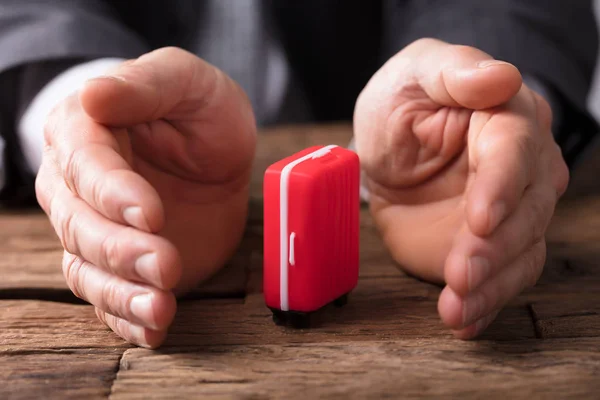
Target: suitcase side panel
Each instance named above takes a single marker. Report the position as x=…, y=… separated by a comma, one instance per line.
x=304, y=285
x=271, y=257
x=329, y=219
x=272, y=261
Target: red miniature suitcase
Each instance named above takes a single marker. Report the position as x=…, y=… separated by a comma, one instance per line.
x=311, y=230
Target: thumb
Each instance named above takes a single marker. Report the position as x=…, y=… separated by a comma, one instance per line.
x=459, y=76
x=167, y=83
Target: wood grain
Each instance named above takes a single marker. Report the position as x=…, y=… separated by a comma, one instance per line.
x=568, y=317
x=405, y=368
x=53, y=326
x=54, y=350
x=388, y=341
x=379, y=309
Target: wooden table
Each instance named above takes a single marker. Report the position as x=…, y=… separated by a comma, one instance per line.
x=387, y=342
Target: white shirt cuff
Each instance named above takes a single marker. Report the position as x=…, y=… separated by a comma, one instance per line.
x=31, y=125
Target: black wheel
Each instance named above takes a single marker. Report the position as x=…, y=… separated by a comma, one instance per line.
x=299, y=320
x=341, y=301
x=279, y=317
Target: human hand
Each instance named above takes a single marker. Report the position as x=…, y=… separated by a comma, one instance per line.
x=145, y=178
x=463, y=173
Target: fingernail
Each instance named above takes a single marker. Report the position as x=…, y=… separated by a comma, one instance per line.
x=146, y=266
x=490, y=63
x=473, y=307
x=141, y=308
x=496, y=214
x=135, y=217
x=113, y=77
x=478, y=269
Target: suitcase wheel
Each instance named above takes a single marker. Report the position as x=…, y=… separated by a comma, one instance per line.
x=294, y=319
x=341, y=301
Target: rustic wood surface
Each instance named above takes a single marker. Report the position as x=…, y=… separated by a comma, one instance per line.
x=387, y=341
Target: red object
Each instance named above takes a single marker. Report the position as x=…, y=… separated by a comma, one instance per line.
x=311, y=228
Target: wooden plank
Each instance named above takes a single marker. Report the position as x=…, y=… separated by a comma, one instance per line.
x=567, y=302
x=53, y=326
x=81, y=374
x=568, y=317
x=31, y=253
x=54, y=350
x=381, y=308
x=574, y=227
x=391, y=316
x=406, y=368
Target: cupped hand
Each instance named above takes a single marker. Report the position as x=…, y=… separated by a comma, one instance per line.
x=145, y=179
x=463, y=173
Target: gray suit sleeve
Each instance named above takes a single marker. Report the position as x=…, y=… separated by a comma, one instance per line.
x=552, y=41
x=38, y=40
x=40, y=30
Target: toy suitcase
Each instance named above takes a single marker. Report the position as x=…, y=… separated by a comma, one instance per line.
x=311, y=232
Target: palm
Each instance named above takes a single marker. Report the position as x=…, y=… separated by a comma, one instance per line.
x=433, y=163
x=201, y=173
x=428, y=186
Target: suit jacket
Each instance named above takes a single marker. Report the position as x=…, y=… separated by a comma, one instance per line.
x=334, y=47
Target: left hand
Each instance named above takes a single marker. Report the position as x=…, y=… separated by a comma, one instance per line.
x=463, y=173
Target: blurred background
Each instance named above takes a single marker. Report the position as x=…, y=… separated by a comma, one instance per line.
x=594, y=100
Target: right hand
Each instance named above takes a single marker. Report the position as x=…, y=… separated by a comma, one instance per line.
x=145, y=178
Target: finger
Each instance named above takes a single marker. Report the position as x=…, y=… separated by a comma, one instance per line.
x=477, y=328
x=141, y=305
x=459, y=312
x=134, y=334
x=120, y=250
x=170, y=95
x=475, y=259
x=454, y=76
x=166, y=83
x=504, y=150
x=93, y=165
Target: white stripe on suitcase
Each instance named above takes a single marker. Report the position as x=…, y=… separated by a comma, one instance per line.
x=283, y=223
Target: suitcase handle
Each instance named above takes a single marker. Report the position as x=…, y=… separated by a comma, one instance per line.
x=292, y=259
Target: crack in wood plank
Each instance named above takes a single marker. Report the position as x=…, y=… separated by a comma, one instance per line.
x=42, y=294
x=118, y=368
x=534, y=321
x=412, y=367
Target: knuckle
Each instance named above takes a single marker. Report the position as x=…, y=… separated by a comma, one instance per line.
x=563, y=178
x=544, y=112
x=540, y=213
x=111, y=252
x=173, y=51
x=101, y=315
x=464, y=50
x=117, y=325
x=424, y=42
x=534, y=264
x=41, y=194
x=527, y=145
x=98, y=192
x=71, y=166
x=73, y=267
x=51, y=125
x=561, y=172
x=488, y=299
x=65, y=226
x=112, y=297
